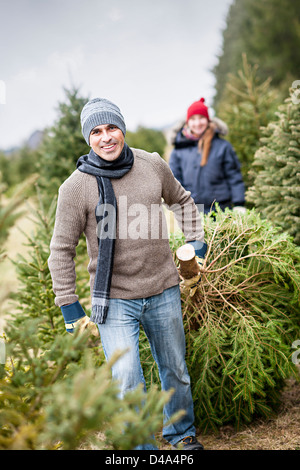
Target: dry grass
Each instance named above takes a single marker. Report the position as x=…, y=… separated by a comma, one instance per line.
x=280, y=433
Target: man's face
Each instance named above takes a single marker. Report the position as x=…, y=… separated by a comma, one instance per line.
x=107, y=141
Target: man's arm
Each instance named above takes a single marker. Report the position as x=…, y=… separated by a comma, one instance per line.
x=189, y=220
x=69, y=225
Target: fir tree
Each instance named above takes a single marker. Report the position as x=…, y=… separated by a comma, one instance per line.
x=56, y=388
x=151, y=140
x=58, y=397
x=276, y=169
x=18, y=165
x=241, y=322
x=257, y=28
x=63, y=144
x=10, y=204
x=246, y=105
x=35, y=297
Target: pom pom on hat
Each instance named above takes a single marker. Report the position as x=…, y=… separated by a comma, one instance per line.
x=198, y=107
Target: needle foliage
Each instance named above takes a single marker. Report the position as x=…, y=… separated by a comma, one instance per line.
x=56, y=390
x=242, y=321
x=276, y=169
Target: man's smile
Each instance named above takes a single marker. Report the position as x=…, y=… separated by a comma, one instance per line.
x=109, y=147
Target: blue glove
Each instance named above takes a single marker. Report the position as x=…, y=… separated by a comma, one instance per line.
x=72, y=313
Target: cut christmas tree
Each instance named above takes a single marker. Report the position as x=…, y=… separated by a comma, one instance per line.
x=241, y=322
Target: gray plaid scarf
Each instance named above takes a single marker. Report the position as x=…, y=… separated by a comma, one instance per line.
x=103, y=171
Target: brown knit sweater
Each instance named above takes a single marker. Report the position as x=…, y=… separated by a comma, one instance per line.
x=143, y=263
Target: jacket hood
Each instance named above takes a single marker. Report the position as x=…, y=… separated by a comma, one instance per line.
x=178, y=139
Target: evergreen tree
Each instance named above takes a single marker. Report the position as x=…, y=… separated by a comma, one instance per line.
x=56, y=388
x=150, y=140
x=276, y=169
x=268, y=32
x=35, y=297
x=7, y=175
x=58, y=397
x=23, y=165
x=63, y=144
x=18, y=165
x=247, y=104
x=9, y=205
x=229, y=61
x=9, y=212
x=241, y=322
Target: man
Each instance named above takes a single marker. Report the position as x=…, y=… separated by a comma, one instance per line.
x=115, y=197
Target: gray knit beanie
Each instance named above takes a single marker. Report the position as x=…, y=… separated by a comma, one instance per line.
x=100, y=111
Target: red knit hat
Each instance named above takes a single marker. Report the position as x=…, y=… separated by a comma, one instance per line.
x=197, y=108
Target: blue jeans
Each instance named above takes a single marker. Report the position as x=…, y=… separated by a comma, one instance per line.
x=161, y=318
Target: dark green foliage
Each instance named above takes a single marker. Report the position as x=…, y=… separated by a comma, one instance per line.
x=268, y=32
x=18, y=166
x=59, y=397
x=35, y=297
x=150, y=140
x=9, y=207
x=247, y=104
x=56, y=388
x=276, y=169
x=63, y=144
x=242, y=321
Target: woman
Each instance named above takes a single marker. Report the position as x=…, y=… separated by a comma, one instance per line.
x=206, y=164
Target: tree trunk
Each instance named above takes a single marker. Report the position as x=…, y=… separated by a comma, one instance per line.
x=188, y=264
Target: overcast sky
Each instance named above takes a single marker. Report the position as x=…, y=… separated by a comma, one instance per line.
x=153, y=58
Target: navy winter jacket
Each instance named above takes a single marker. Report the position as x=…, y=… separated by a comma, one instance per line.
x=220, y=180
